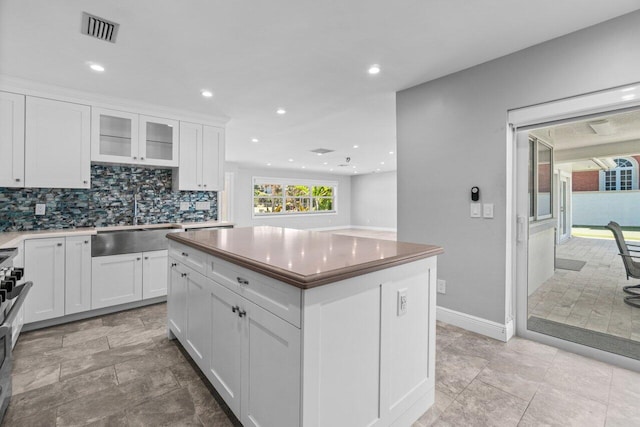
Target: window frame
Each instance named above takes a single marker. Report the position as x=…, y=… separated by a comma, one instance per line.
x=534, y=174
x=602, y=176
x=284, y=183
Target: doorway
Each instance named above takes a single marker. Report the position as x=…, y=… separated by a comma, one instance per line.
x=577, y=305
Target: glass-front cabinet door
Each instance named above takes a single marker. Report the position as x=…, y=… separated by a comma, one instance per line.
x=158, y=141
x=123, y=137
x=114, y=136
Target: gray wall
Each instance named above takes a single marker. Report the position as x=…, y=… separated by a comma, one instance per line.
x=452, y=136
x=374, y=200
x=243, y=200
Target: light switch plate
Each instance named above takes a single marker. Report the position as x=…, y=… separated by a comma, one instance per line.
x=441, y=286
x=203, y=206
x=41, y=208
x=487, y=210
x=184, y=206
x=476, y=209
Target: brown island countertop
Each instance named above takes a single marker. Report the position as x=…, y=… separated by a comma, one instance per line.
x=303, y=258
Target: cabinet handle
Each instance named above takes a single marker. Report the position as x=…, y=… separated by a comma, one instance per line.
x=86, y=242
x=185, y=254
x=241, y=313
x=205, y=185
x=173, y=264
x=183, y=274
x=59, y=244
x=242, y=281
x=17, y=179
x=146, y=257
x=199, y=185
x=85, y=182
x=235, y=308
x=135, y=158
x=141, y=158
x=138, y=259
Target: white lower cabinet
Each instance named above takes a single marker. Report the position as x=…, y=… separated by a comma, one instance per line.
x=251, y=356
x=77, y=274
x=116, y=279
x=154, y=274
x=119, y=279
x=45, y=266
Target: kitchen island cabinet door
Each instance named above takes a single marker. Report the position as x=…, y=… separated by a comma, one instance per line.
x=11, y=140
x=77, y=274
x=177, y=300
x=154, y=274
x=226, y=345
x=197, y=327
x=44, y=265
x=116, y=279
x=271, y=370
x=57, y=144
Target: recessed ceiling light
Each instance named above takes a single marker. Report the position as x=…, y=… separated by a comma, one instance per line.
x=378, y=170
x=355, y=171
x=206, y=93
x=255, y=140
x=268, y=164
x=281, y=111
x=330, y=170
x=325, y=163
x=355, y=146
x=374, y=69
x=97, y=67
x=304, y=167
x=382, y=163
x=628, y=89
x=628, y=97
x=290, y=160
x=390, y=152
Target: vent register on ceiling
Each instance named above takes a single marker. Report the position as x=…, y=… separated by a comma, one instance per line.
x=99, y=28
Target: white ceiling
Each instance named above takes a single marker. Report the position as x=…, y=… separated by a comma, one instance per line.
x=309, y=57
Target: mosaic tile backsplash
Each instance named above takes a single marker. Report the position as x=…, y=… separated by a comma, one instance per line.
x=109, y=201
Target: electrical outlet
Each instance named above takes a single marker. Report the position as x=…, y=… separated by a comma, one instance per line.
x=402, y=302
x=184, y=206
x=203, y=206
x=442, y=286
x=41, y=208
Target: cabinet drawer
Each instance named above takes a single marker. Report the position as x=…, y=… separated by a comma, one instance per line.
x=189, y=256
x=279, y=298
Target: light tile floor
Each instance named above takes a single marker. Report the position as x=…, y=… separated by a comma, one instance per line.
x=591, y=298
x=121, y=370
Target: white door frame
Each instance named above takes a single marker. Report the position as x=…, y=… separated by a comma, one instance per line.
x=517, y=224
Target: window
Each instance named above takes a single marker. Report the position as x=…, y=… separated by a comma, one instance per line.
x=540, y=179
x=278, y=196
x=624, y=177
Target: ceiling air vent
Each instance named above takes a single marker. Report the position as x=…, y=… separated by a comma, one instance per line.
x=99, y=28
x=321, y=151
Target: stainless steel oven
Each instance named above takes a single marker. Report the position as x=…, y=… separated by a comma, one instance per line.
x=12, y=296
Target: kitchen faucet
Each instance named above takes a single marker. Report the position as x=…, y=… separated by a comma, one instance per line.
x=135, y=208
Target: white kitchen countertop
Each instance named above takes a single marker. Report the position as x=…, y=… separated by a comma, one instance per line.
x=13, y=238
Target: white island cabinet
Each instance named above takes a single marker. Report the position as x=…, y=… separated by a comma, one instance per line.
x=299, y=328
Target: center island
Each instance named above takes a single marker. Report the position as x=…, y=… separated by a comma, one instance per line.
x=303, y=328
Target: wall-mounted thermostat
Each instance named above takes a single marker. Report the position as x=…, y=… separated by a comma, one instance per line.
x=475, y=194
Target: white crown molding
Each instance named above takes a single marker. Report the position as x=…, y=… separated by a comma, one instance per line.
x=33, y=88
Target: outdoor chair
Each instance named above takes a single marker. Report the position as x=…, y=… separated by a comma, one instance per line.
x=631, y=266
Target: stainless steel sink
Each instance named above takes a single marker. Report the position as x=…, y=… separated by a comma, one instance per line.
x=130, y=241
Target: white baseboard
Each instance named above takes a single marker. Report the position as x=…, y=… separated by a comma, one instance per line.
x=357, y=227
x=476, y=324
x=365, y=227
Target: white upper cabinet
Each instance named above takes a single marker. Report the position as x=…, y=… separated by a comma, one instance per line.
x=11, y=140
x=122, y=137
x=158, y=141
x=201, y=158
x=57, y=144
